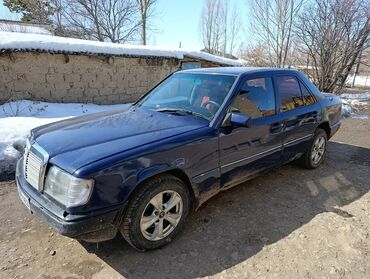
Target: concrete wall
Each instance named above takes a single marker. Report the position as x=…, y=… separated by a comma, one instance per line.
x=79, y=78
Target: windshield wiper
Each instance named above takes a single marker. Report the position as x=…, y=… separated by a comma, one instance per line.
x=182, y=111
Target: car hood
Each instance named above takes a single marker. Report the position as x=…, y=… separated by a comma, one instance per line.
x=78, y=141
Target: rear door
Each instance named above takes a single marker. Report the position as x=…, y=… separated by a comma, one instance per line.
x=299, y=111
x=246, y=151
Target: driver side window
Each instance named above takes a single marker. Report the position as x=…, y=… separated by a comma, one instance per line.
x=256, y=98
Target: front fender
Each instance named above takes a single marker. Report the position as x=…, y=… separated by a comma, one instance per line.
x=160, y=168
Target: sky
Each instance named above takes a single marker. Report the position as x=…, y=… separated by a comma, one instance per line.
x=175, y=21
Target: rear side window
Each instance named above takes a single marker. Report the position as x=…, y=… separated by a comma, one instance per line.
x=256, y=98
x=293, y=93
x=308, y=99
x=290, y=92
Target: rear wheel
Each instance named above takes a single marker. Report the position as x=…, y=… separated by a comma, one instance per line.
x=156, y=213
x=316, y=150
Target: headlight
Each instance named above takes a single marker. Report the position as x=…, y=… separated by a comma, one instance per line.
x=67, y=189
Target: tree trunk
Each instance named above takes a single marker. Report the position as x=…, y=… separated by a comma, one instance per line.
x=143, y=32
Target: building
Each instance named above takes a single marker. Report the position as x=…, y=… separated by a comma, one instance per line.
x=24, y=27
x=56, y=69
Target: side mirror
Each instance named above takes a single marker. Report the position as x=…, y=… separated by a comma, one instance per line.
x=240, y=120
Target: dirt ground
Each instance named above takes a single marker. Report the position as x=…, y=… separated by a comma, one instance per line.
x=289, y=223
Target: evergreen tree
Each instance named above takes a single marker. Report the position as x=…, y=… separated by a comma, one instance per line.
x=38, y=11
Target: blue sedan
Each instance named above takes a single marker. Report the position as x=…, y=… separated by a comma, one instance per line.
x=141, y=171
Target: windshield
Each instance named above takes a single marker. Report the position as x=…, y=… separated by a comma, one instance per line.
x=199, y=95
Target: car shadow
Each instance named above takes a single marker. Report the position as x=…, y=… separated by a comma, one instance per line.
x=240, y=222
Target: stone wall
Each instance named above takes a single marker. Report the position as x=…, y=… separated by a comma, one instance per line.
x=81, y=78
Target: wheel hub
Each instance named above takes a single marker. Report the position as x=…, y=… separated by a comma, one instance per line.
x=318, y=150
x=161, y=215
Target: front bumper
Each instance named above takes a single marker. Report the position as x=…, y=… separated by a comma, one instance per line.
x=92, y=227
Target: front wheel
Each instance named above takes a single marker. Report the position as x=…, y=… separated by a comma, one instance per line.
x=316, y=150
x=156, y=213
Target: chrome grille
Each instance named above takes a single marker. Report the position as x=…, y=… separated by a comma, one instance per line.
x=32, y=169
x=35, y=161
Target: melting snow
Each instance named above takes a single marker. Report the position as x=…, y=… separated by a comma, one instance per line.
x=18, y=118
x=353, y=103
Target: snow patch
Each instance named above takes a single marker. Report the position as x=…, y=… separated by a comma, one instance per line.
x=26, y=108
x=348, y=109
x=18, y=118
x=360, y=96
x=22, y=41
x=352, y=104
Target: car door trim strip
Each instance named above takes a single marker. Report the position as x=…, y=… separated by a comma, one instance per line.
x=298, y=139
x=255, y=155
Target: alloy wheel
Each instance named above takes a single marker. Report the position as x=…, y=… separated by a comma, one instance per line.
x=318, y=149
x=161, y=215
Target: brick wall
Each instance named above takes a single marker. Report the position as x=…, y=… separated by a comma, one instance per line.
x=80, y=78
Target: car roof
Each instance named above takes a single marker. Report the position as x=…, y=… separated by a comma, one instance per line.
x=237, y=70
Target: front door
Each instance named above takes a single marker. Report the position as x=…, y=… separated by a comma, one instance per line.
x=247, y=151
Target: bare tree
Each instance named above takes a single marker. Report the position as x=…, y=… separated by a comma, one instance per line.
x=146, y=8
x=103, y=20
x=219, y=27
x=272, y=23
x=255, y=56
x=234, y=30
x=57, y=18
x=210, y=25
x=333, y=33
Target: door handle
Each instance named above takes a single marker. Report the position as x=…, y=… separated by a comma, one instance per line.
x=314, y=116
x=276, y=127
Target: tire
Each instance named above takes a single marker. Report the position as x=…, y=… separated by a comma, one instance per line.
x=145, y=210
x=309, y=159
